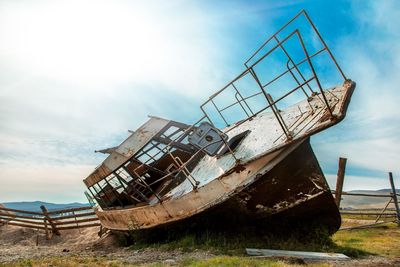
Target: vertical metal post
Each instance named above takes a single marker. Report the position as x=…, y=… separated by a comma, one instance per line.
x=314, y=73
x=114, y=192
x=105, y=195
x=285, y=131
x=323, y=42
x=237, y=91
x=340, y=180
x=394, y=196
x=222, y=116
x=294, y=65
x=276, y=110
x=98, y=196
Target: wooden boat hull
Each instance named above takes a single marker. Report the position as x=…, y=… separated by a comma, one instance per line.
x=283, y=186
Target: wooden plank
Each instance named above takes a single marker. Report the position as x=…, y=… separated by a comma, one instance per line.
x=20, y=220
x=70, y=210
x=296, y=254
x=383, y=210
x=25, y=225
x=76, y=215
x=394, y=196
x=77, y=221
x=80, y=226
x=19, y=216
x=52, y=224
x=367, y=213
x=365, y=226
x=369, y=209
x=22, y=211
x=362, y=194
x=340, y=181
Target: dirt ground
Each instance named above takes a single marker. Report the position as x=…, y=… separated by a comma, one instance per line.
x=20, y=243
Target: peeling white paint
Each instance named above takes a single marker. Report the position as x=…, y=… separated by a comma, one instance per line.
x=266, y=134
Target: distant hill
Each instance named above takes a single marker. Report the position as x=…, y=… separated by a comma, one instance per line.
x=388, y=190
x=35, y=205
x=362, y=202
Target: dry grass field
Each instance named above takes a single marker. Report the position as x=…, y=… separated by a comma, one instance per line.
x=378, y=246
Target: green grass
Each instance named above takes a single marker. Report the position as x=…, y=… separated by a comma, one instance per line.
x=233, y=261
x=70, y=261
x=220, y=243
x=222, y=261
x=382, y=241
x=234, y=244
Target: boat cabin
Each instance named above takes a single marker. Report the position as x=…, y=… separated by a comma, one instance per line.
x=149, y=163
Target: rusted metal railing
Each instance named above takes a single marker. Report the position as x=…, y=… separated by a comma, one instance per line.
x=293, y=69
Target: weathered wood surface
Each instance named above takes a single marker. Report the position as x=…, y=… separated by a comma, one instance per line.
x=368, y=213
x=340, y=181
x=79, y=226
x=362, y=194
x=22, y=211
x=366, y=226
x=50, y=220
x=296, y=254
x=69, y=210
x=58, y=220
x=394, y=196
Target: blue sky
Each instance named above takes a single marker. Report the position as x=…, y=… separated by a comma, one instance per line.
x=76, y=75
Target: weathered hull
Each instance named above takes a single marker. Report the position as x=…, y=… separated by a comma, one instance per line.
x=290, y=186
x=294, y=191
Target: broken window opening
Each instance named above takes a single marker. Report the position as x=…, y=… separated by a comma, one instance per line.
x=152, y=171
x=233, y=143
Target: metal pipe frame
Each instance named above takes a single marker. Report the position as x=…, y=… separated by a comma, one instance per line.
x=250, y=70
x=270, y=102
x=302, y=12
x=274, y=37
x=270, y=82
x=314, y=73
x=290, y=60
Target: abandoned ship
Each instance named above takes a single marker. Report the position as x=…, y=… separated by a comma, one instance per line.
x=249, y=153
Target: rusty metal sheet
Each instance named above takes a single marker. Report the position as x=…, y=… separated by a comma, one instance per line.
x=126, y=149
x=302, y=119
x=277, y=184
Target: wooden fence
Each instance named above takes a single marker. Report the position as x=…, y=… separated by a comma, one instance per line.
x=379, y=213
x=50, y=221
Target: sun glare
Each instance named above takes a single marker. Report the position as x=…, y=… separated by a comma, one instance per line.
x=84, y=42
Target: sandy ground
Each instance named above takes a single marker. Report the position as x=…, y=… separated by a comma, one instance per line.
x=20, y=243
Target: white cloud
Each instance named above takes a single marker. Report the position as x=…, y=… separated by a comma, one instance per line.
x=370, y=135
x=77, y=74
x=94, y=45
x=43, y=182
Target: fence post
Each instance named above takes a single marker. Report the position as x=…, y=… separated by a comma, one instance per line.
x=394, y=196
x=46, y=229
x=52, y=224
x=340, y=180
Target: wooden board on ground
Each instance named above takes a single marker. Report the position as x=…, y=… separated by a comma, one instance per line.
x=296, y=254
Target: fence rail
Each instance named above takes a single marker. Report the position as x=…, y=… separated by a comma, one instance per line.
x=52, y=222
x=384, y=213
